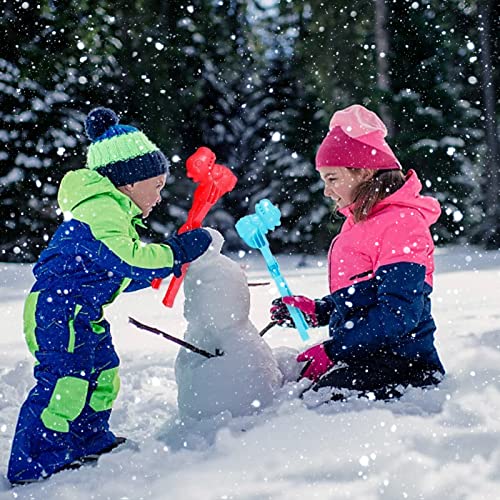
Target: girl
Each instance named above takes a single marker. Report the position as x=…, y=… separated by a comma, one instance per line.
x=380, y=268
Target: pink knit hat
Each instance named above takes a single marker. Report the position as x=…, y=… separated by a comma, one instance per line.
x=356, y=140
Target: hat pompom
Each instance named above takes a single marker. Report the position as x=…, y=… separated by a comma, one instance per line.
x=357, y=121
x=98, y=121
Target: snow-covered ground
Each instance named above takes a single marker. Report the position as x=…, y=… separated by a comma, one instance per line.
x=429, y=445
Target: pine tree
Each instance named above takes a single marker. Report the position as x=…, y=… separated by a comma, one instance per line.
x=487, y=231
x=437, y=126
x=33, y=126
x=289, y=135
x=190, y=95
x=46, y=87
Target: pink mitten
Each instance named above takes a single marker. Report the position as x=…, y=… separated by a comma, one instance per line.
x=318, y=362
x=306, y=305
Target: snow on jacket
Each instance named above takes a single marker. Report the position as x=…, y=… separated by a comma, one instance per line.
x=96, y=252
x=380, y=274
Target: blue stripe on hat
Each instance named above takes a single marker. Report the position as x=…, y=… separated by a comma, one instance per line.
x=114, y=131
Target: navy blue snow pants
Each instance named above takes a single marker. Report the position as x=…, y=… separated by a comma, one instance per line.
x=65, y=416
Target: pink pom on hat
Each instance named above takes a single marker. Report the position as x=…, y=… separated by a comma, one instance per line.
x=356, y=140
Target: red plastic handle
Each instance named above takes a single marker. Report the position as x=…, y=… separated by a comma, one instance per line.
x=173, y=287
x=214, y=182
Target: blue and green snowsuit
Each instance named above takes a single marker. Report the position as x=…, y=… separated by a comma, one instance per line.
x=94, y=255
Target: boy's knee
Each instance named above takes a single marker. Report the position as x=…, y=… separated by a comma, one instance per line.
x=66, y=403
x=104, y=395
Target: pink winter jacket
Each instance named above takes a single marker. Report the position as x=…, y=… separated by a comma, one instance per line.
x=380, y=276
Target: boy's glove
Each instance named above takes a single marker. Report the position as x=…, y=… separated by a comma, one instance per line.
x=280, y=314
x=317, y=362
x=187, y=247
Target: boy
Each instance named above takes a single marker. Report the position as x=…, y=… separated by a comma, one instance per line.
x=94, y=255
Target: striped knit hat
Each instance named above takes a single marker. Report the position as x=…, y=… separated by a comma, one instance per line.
x=121, y=152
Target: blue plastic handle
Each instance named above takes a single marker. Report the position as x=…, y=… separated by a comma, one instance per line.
x=284, y=290
x=252, y=230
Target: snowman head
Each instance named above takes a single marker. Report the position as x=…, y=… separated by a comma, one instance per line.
x=213, y=251
x=216, y=289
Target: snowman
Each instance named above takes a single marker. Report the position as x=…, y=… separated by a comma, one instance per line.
x=247, y=376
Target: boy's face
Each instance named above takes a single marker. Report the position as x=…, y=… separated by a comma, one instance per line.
x=145, y=194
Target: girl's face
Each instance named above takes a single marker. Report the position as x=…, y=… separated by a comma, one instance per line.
x=340, y=183
x=145, y=194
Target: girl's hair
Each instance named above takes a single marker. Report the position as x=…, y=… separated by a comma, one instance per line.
x=369, y=193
